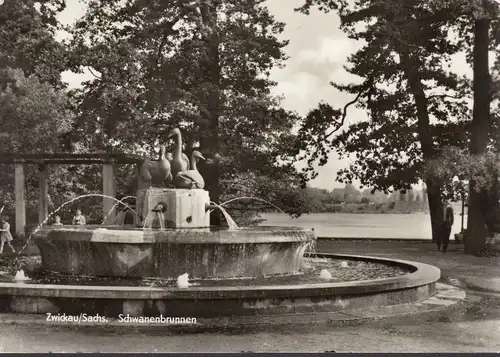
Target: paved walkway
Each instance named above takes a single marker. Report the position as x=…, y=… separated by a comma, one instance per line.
x=472, y=327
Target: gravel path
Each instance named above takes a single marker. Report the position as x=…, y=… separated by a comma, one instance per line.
x=472, y=327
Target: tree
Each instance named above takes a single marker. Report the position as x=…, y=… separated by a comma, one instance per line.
x=34, y=110
x=32, y=117
x=200, y=66
x=403, y=85
x=32, y=114
x=477, y=19
x=484, y=200
x=27, y=41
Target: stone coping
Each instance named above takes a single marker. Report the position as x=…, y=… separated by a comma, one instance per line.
x=130, y=235
x=446, y=297
x=423, y=274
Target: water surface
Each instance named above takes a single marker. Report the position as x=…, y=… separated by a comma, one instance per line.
x=363, y=225
x=341, y=270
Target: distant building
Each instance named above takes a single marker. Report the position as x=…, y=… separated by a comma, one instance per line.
x=351, y=194
x=376, y=197
x=338, y=194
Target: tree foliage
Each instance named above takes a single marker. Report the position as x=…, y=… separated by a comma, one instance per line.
x=35, y=112
x=28, y=108
x=200, y=66
x=416, y=105
x=388, y=146
x=27, y=41
x=33, y=116
x=455, y=164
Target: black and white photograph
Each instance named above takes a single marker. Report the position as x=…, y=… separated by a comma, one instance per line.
x=244, y=176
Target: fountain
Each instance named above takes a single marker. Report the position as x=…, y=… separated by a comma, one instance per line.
x=170, y=261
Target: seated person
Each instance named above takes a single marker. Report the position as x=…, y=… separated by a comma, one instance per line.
x=57, y=221
x=78, y=219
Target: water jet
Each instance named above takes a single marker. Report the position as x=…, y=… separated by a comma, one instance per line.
x=174, y=263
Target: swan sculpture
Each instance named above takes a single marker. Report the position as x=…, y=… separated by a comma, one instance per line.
x=180, y=161
x=190, y=178
x=156, y=172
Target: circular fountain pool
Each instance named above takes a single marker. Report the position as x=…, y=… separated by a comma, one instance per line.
x=340, y=270
x=237, y=272
x=365, y=282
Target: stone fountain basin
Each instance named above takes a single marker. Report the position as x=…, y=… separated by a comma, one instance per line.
x=168, y=253
x=227, y=301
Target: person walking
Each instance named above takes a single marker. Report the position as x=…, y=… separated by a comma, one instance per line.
x=6, y=236
x=444, y=234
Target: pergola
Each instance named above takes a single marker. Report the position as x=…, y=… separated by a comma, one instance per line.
x=108, y=162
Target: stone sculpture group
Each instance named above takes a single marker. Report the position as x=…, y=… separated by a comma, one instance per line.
x=175, y=170
x=171, y=193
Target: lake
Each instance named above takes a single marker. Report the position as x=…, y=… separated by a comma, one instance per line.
x=363, y=225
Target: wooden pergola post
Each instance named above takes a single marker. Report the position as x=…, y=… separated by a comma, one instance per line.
x=43, y=183
x=108, y=189
x=20, y=193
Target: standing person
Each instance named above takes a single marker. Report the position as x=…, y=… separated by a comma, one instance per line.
x=79, y=219
x=6, y=236
x=448, y=219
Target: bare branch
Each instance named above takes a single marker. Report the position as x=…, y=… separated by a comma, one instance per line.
x=92, y=73
x=339, y=125
x=443, y=96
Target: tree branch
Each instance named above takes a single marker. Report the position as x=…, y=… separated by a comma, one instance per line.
x=168, y=30
x=443, y=96
x=160, y=49
x=92, y=73
x=364, y=88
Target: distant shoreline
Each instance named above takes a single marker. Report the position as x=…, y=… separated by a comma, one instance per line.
x=388, y=225
x=398, y=207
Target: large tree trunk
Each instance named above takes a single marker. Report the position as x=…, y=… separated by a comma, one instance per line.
x=478, y=199
x=411, y=68
x=209, y=141
x=435, y=208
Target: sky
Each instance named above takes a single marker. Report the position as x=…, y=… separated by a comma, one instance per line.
x=318, y=50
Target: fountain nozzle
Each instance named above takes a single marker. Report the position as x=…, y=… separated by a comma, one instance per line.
x=208, y=207
x=160, y=208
